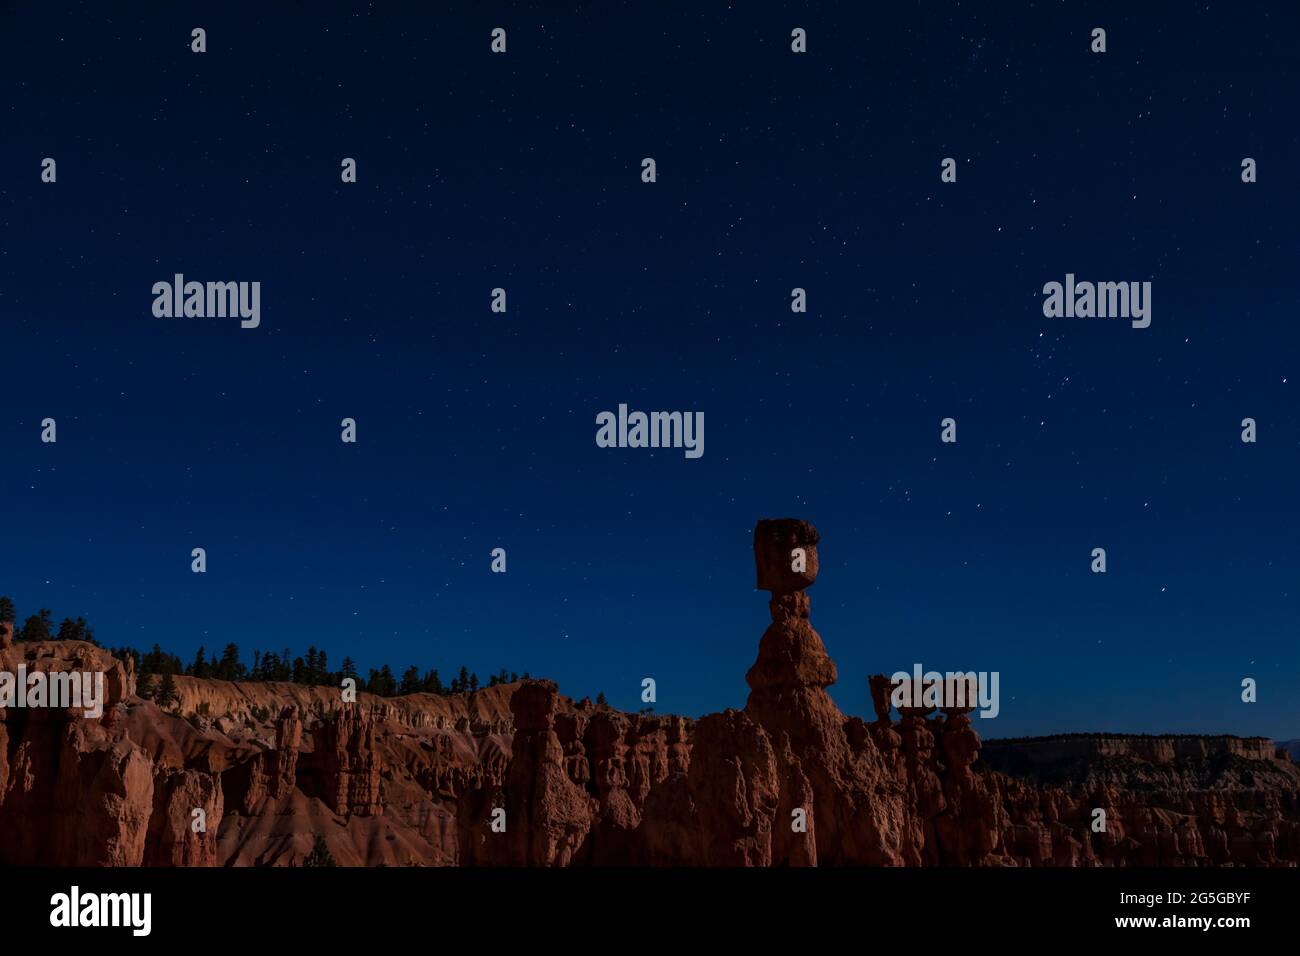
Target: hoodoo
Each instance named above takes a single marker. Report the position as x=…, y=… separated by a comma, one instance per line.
x=517, y=774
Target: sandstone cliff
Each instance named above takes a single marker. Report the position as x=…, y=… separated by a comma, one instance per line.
x=252, y=774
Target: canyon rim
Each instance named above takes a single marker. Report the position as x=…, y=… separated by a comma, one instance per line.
x=519, y=775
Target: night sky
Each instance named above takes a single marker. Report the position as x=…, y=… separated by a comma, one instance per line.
x=775, y=170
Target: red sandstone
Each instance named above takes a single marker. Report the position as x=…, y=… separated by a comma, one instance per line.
x=788, y=780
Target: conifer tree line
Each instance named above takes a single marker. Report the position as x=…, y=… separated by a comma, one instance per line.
x=40, y=626
x=156, y=670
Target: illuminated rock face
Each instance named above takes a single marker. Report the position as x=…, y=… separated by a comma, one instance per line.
x=787, y=781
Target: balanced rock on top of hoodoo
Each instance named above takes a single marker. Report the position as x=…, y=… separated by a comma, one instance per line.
x=791, y=654
x=845, y=786
x=778, y=543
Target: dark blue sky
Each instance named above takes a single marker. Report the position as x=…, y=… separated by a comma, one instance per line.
x=476, y=430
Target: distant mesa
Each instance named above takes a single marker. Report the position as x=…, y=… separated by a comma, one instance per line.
x=1290, y=747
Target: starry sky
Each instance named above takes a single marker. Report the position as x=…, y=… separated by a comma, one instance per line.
x=775, y=171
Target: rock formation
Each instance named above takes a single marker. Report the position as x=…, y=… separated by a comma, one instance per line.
x=251, y=774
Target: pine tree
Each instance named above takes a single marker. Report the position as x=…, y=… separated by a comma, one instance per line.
x=229, y=667
x=320, y=854
x=601, y=701
x=70, y=630
x=7, y=612
x=315, y=670
x=349, y=669
x=410, y=680
x=166, y=693
x=37, y=627
x=155, y=662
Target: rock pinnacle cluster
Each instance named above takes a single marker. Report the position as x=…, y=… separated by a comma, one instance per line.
x=519, y=775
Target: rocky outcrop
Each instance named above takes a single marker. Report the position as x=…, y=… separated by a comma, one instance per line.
x=253, y=774
x=539, y=815
x=345, y=762
x=185, y=820
x=837, y=779
x=73, y=790
x=1098, y=799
